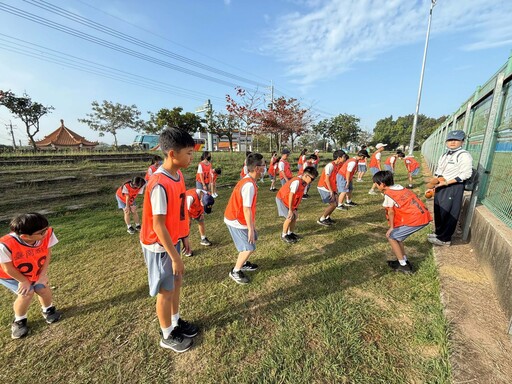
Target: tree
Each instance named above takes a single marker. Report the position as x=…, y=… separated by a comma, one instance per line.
x=246, y=109
x=109, y=117
x=188, y=121
x=341, y=129
x=225, y=125
x=28, y=111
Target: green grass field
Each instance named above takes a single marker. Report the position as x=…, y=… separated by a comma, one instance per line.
x=324, y=310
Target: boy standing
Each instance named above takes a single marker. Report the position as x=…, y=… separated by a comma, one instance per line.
x=406, y=214
x=285, y=173
x=240, y=217
x=288, y=199
x=375, y=164
x=24, y=258
x=327, y=186
x=125, y=196
x=344, y=181
x=164, y=222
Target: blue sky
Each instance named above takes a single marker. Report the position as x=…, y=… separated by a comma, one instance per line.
x=359, y=57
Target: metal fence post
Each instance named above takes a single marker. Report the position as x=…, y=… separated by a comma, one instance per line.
x=485, y=154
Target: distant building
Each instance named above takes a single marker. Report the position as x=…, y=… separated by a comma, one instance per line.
x=65, y=138
x=239, y=143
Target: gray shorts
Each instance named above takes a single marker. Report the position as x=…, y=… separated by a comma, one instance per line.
x=388, y=168
x=283, y=181
x=160, y=273
x=361, y=167
x=121, y=204
x=12, y=284
x=200, y=186
x=374, y=170
x=341, y=184
x=281, y=208
x=403, y=232
x=240, y=238
x=415, y=172
x=326, y=197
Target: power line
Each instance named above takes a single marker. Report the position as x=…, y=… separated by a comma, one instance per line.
x=107, y=44
x=122, y=36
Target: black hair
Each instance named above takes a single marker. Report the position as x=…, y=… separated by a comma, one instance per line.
x=363, y=146
x=345, y=156
x=206, y=155
x=400, y=154
x=175, y=139
x=338, y=153
x=218, y=171
x=247, y=153
x=28, y=223
x=313, y=156
x=384, y=177
x=311, y=171
x=304, y=151
x=138, y=182
x=362, y=153
x=155, y=159
x=253, y=160
x=273, y=153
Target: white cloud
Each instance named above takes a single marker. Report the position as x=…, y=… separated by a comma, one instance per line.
x=330, y=36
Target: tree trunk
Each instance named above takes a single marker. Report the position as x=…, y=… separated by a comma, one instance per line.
x=115, y=141
x=31, y=137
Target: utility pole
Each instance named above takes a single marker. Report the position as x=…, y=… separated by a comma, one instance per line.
x=10, y=129
x=271, y=107
x=207, y=109
x=415, y=121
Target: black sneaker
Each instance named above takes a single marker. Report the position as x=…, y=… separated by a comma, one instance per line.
x=176, y=341
x=239, y=277
x=342, y=207
x=138, y=227
x=305, y=196
x=330, y=220
x=248, y=266
x=206, y=242
x=186, y=329
x=407, y=269
x=324, y=222
x=352, y=204
x=393, y=264
x=288, y=239
x=51, y=315
x=131, y=230
x=19, y=329
x=295, y=236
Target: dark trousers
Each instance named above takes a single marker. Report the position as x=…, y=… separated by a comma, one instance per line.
x=447, y=206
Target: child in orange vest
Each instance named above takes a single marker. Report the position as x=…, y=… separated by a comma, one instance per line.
x=412, y=166
x=362, y=164
x=327, y=186
x=310, y=162
x=344, y=181
x=199, y=202
x=25, y=254
x=125, y=196
x=216, y=172
x=204, y=170
x=288, y=199
x=375, y=164
x=390, y=163
x=406, y=215
x=302, y=160
x=283, y=167
x=156, y=161
x=240, y=218
x=274, y=161
x=164, y=222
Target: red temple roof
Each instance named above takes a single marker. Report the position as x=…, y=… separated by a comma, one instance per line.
x=65, y=137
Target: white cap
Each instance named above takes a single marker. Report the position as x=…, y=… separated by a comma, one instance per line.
x=317, y=150
x=380, y=145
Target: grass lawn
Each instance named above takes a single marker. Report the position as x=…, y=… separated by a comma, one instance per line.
x=324, y=310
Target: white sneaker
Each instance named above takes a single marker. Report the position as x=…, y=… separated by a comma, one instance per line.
x=431, y=236
x=372, y=192
x=214, y=195
x=436, y=241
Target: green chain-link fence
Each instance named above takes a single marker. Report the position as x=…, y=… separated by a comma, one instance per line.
x=486, y=117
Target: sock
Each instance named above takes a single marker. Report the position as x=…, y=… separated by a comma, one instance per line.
x=283, y=234
x=18, y=318
x=289, y=232
x=349, y=201
x=236, y=269
x=46, y=308
x=128, y=225
x=402, y=263
x=405, y=258
x=175, y=319
x=137, y=224
x=322, y=218
x=167, y=331
x=203, y=237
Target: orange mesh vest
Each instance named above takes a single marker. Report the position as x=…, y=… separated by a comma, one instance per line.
x=373, y=160
x=411, y=164
x=301, y=159
x=272, y=167
x=343, y=169
x=287, y=171
x=132, y=192
x=153, y=168
x=196, y=209
x=332, y=177
x=388, y=160
x=26, y=258
x=176, y=219
x=206, y=170
x=409, y=209
x=284, y=192
x=235, y=209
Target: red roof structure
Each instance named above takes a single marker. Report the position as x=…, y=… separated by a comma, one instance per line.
x=64, y=137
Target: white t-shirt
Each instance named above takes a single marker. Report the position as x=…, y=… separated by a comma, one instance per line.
x=388, y=201
x=5, y=254
x=328, y=170
x=281, y=166
x=351, y=166
x=247, y=193
x=378, y=155
x=294, y=186
x=124, y=191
